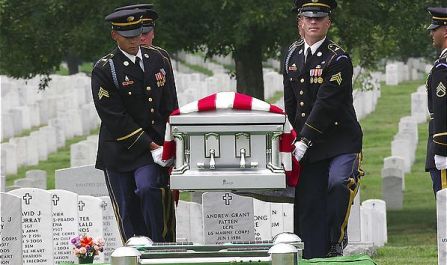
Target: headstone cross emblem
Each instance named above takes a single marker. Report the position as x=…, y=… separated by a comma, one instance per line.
x=27, y=198
x=81, y=205
x=104, y=205
x=55, y=199
x=227, y=198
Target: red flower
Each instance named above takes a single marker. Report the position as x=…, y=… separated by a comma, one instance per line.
x=86, y=241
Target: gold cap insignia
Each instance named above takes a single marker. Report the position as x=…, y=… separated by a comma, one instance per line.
x=130, y=19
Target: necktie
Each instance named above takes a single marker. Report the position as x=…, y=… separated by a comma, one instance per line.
x=137, y=62
x=308, y=54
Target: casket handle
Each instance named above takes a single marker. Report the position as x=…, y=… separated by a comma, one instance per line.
x=242, y=153
x=212, y=161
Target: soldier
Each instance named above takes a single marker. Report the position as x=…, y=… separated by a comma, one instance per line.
x=436, y=161
x=148, y=20
x=319, y=103
x=131, y=90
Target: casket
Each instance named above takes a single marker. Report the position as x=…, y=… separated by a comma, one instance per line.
x=227, y=149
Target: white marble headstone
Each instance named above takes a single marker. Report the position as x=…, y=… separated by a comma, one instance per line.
x=65, y=224
x=10, y=229
x=112, y=236
x=441, y=212
x=227, y=217
x=85, y=180
x=263, y=227
x=91, y=219
x=37, y=226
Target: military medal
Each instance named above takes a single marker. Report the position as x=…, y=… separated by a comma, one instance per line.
x=292, y=67
x=161, y=77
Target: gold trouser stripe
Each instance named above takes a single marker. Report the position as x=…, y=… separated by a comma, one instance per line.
x=116, y=210
x=163, y=206
x=444, y=179
x=440, y=18
x=316, y=4
x=352, y=194
x=130, y=134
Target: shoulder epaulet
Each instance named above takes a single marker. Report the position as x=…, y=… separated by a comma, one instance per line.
x=295, y=44
x=103, y=61
x=335, y=48
x=160, y=48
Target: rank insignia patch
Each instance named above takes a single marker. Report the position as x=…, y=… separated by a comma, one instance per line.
x=161, y=77
x=337, y=78
x=127, y=82
x=102, y=93
x=441, y=90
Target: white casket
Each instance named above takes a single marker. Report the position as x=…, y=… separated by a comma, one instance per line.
x=227, y=149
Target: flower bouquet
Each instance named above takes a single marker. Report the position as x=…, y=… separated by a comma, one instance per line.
x=85, y=248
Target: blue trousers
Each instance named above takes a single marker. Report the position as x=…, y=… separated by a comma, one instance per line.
x=323, y=200
x=137, y=201
x=438, y=177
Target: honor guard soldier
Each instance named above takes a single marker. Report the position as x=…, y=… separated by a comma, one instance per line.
x=132, y=92
x=148, y=34
x=436, y=161
x=319, y=104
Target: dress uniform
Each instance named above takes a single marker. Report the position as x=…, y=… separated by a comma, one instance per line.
x=132, y=95
x=319, y=104
x=436, y=161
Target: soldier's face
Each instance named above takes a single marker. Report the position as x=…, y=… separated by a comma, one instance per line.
x=146, y=38
x=129, y=45
x=439, y=36
x=315, y=28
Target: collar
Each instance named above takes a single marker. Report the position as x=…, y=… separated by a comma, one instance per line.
x=132, y=57
x=315, y=46
x=443, y=52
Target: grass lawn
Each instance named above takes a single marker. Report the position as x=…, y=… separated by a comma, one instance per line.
x=411, y=231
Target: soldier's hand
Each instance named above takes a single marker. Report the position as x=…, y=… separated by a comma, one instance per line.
x=157, y=156
x=300, y=150
x=441, y=162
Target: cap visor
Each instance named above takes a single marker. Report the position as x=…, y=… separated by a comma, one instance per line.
x=147, y=29
x=130, y=33
x=314, y=14
x=433, y=26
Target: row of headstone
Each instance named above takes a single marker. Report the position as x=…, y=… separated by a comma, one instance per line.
x=84, y=152
x=419, y=110
x=33, y=179
x=37, y=225
x=397, y=72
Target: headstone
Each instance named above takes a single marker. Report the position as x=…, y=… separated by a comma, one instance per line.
x=395, y=162
x=21, y=149
x=263, y=225
x=24, y=183
x=65, y=224
x=59, y=126
x=374, y=226
x=42, y=146
x=288, y=217
x=32, y=151
x=227, y=217
x=37, y=226
x=50, y=138
x=419, y=106
x=82, y=153
x=392, y=75
x=9, y=159
x=10, y=229
x=112, y=238
x=2, y=183
x=354, y=223
x=91, y=219
x=441, y=213
x=276, y=218
x=39, y=178
x=392, y=178
x=402, y=146
x=85, y=180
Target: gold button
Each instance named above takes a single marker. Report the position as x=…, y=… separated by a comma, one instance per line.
x=148, y=88
x=301, y=103
x=130, y=93
x=153, y=122
x=150, y=99
x=336, y=123
x=303, y=114
x=302, y=80
x=301, y=92
x=152, y=110
x=291, y=79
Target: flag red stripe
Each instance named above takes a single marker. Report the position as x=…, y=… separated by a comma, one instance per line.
x=207, y=103
x=242, y=102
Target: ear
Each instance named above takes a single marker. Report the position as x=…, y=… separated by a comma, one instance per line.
x=113, y=34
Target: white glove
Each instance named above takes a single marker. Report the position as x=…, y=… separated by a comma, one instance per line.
x=300, y=150
x=157, y=155
x=441, y=162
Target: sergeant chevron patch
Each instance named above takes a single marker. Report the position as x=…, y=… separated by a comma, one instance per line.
x=103, y=93
x=337, y=78
x=441, y=90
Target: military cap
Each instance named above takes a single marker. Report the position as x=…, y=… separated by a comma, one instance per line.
x=439, y=17
x=127, y=23
x=149, y=16
x=314, y=8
